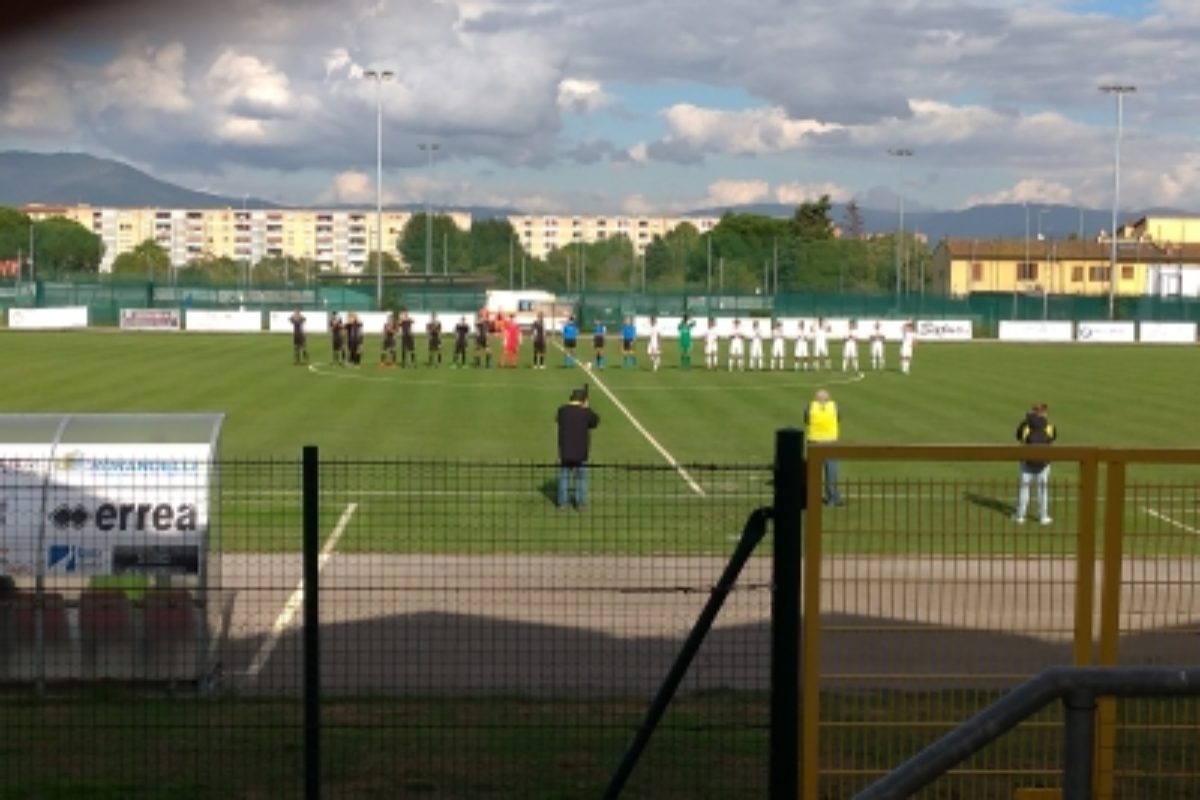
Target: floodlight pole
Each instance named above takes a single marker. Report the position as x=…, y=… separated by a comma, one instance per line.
x=379, y=76
x=899, y=152
x=429, y=147
x=1120, y=90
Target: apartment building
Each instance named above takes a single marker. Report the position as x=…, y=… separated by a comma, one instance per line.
x=335, y=239
x=542, y=234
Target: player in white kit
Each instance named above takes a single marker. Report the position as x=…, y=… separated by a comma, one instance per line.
x=654, y=346
x=877, y=339
x=800, y=356
x=712, y=345
x=778, y=345
x=908, y=341
x=756, y=346
x=737, y=347
x=850, y=349
x=821, y=345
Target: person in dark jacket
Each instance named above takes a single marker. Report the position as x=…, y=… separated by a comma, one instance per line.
x=1035, y=431
x=575, y=423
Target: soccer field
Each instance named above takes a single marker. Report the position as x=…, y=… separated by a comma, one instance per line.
x=674, y=446
x=1140, y=396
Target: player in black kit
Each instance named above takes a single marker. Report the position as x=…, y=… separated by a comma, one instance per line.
x=539, y=342
x=387, y=356
x=433, y=332
x=337, y=330
x=482, y=350
x=461, y=332
x=354, y=338
x=408, y=345
x=299, y=339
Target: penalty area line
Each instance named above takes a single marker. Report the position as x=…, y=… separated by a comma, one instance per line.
x=296, y=601
x=1174, y=522
x=662, y=451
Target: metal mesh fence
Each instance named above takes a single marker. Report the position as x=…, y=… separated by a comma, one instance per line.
x=935, y=602
x=105, y=297
x=477, y=640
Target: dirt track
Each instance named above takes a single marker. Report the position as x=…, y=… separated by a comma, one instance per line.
x=614, y=624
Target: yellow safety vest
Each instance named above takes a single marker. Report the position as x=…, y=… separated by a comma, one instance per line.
x=822, y=422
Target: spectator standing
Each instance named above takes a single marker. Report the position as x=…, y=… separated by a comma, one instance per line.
x=1035, y=430
x=822, y=422
x=575, y=423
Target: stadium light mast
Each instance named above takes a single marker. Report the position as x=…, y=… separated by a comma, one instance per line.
x=430, y=147
x=1120, y=90
x=899, y=152
x=379, y=76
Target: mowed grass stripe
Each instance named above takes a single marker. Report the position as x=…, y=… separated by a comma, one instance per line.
x=1136, y=396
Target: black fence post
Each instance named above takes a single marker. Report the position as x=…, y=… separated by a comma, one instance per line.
x=312, y=626
x=1079, y=743
x=752, y=533
x=785, y=615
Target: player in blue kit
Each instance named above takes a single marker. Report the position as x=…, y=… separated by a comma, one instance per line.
x=599, y=330
x=628, y=338
x=570, y=334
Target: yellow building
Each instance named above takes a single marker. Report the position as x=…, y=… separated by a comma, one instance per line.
x=1166, y=230
x=965, y=266
x=1156, y=255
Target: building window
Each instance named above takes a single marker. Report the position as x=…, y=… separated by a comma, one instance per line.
x=1027, y=271
x=976, y=272
x=1126, y=273
x=1076, y=274
x=1098, y=273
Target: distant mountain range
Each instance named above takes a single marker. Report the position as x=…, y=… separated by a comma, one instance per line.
x=74, y=178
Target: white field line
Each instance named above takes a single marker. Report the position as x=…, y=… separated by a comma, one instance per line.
x=288, y=615
x=662, y=451
x=670, y=459
x=1174, y=522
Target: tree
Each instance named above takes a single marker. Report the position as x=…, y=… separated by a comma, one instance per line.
x=449, y=245
x=14, y=234
x=148, y=260
x=216, y=270
x=854, y=221
x=811, y=220
x=490, y=244
x=64, y=246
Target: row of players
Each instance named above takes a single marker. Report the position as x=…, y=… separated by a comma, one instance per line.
x=813, y=339
x=347, y=339
x=810, y=349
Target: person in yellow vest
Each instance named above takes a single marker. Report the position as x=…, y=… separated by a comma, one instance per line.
x=822, y=422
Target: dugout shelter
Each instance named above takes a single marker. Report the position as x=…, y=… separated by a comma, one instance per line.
x=107, y=522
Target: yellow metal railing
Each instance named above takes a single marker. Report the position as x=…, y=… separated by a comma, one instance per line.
x=923, y=600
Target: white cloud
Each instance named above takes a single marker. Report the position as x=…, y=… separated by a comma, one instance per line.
x=797, y=193
x=1029, y=190
x=582, y=97
x=350, y=187
x=247, y=84
x=143, y=77
x=38, y=100
x=338, y=63
x=730, y=192
x=758, y=131
x=242, y=130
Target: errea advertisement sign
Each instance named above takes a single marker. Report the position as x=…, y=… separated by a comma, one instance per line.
x=23, y=469
x=109, y=508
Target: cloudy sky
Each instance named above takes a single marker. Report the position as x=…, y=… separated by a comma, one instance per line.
x=606, y=106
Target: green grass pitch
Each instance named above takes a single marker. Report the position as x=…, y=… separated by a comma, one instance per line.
x=957, y=393
x=971, y=392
